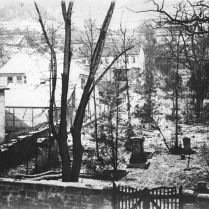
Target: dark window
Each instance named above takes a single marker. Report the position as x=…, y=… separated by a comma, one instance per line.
x=84, y=61
x=43, y=81
x=19, y=79
x=106, y=60
x=133, y=59
x=120, y=74
x=25, y=80
x=9, y=80
x=127, y=60
x=83, y=82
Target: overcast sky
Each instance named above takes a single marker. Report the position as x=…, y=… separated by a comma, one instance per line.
x=97, y=9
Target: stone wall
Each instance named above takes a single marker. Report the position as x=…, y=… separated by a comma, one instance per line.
x=51, y=195
x=196, y=199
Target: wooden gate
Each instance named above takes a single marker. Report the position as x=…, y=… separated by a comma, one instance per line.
x=156, y=198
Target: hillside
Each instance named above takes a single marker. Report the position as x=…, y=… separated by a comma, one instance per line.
x=21, y=11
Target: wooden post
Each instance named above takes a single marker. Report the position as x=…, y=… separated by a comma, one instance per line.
x=36, y=155
x=146, y=204
x=114, y=197
x=181, y=200
x=13, y=120
x=33, y=120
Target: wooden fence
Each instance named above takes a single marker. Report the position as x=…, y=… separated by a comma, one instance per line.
x=156, y=198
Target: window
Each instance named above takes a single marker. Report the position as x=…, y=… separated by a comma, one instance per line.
x=106, y=60
x=84, y=61
x=42, y=81
x=19, y=79
x=133, y=59
x=25, y=80
x=71, y=101
x=9, y=80
x=83, y=83
x=127, y=60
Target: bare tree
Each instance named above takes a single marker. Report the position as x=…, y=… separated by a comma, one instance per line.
x=193, y=19
x=86, y=51
x=122, y=41
x=71, y=173
x=60, y=134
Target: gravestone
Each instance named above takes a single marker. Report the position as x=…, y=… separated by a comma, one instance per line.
x=138, y=155
x=187, y=144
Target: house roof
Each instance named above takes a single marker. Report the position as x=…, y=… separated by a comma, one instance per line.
x=12, y=40
x=19, y=63
x=3, y=57
x=110, y=49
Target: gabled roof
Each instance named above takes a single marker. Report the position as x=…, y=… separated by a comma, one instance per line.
x=12, y=40
x=20, y=63
x=3, y=57
x=111, y=49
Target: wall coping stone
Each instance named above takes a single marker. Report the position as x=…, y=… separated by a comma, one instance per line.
x=189, y=192
x=102, y=186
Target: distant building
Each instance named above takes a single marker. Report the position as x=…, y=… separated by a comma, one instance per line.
x=166, y=32
x=27, y=101
x=134, y=62
x=24, y=69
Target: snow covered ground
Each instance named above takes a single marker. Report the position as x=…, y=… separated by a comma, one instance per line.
x=165, y=169
x=168, y=170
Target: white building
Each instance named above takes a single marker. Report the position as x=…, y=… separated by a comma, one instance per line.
x=134, y=58
x=27, y=101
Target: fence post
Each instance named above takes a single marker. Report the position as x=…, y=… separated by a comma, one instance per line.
x=114, y=196
x=13, y=120
x=181, y=201
x=146, y=204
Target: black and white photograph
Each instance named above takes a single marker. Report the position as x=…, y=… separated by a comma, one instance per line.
x=104, y=104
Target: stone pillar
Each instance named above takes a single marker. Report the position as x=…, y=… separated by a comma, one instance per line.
x=42, y=157
x=187, y=144
x=201, y=186
x=202, y=201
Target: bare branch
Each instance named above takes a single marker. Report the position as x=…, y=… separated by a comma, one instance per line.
x=64, y=10
x=108, y=68
x=100, y=44
x=54, y=72
x=42, y=26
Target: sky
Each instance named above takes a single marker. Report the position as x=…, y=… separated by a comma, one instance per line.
x=97, y=9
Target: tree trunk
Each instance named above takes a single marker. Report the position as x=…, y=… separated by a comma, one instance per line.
x=77, y=155
x=65, y=157
x=117, y=123
x=112, y=139
x=78, y=122
x=62, y=135
x=96, y=125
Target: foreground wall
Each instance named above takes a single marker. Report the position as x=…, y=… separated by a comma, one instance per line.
x=35, y=194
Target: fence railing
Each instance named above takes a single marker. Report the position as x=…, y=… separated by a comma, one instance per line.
x=156, y=198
